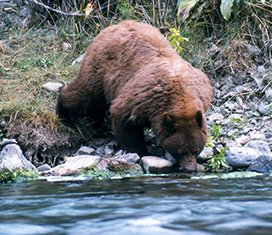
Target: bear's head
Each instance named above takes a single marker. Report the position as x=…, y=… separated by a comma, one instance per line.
x=184, y=138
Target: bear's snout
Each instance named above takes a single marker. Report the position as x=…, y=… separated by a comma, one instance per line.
x=188, y=164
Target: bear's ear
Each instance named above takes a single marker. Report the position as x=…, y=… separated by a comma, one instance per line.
x=169, y=123
x=199, y=118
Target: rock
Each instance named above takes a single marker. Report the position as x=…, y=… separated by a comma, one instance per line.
x=120, y=163
x=263, y=109
x=152, y=164
x=5, y=142
x=44, y=167
x=11, y=158
x=215, y=117
x=262, y=164
x=99, y=141
x=242, y=140
x=74, y=165
x=203, y=156
x=131, y=158
x=78, y=59
x=241, y=157
x=169, y=157
x=52, y=86
x=259, y=145
x=84, y=150
x=254, y=135
x=66, y=46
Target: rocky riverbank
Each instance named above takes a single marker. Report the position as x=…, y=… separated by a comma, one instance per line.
x=36, y=62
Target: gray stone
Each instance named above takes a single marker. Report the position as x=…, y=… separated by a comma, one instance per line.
x=206, y=152
x=11, y=158
x=241, y=157
x=215, y=117
x=259, y=145
x=66, y=46
x=74, y=165
x=78, y=59
x=84, y=150
x=263, y=109
x=52, y=86
x=152, y=164
x=262, y=164
x=44, y=167
x=130, y=158
x=243, y=139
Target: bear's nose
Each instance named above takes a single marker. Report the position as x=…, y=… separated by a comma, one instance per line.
x=188, y=164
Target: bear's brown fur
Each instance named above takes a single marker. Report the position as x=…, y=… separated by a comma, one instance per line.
x=131, y=70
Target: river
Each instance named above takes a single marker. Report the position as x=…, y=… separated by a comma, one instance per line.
x=145, y=205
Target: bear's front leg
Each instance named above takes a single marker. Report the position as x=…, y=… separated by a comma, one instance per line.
x=130, y=136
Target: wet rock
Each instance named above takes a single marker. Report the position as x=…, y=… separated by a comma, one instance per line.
x=262, y=164
x=241, y=157
x=74, y=165
x=52, y=86
x=152, y=164
x=11, y=158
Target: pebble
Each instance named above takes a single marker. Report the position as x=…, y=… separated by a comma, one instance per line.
x=52, y=86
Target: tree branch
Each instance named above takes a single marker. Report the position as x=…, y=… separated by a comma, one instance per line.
x=55, y=10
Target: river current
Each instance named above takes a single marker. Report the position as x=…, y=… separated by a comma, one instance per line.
x=145, y=205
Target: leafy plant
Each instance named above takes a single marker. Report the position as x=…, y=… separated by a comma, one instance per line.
x=217, y=161
x=215, y=131
x=7, y=175
x=176, y=39
x=226, y=7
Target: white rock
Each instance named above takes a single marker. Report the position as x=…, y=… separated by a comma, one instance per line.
x=152, y=164
x=66, y=46
x=52, y=86
x=74, y=165
x=11, y=158
x=215, y=117
x=242, y=140
x=78, y=59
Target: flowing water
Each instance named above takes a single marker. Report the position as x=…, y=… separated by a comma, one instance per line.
x=150, y=205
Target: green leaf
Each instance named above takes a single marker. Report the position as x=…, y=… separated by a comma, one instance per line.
x=185, y=7
x=225, y=8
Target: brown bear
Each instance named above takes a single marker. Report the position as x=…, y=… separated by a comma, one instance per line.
x=131, y=70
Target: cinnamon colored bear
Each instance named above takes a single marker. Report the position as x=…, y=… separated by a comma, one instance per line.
x=131, y=70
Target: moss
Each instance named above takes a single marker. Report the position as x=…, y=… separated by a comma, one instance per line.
x=7, y=176
x=115, y=170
